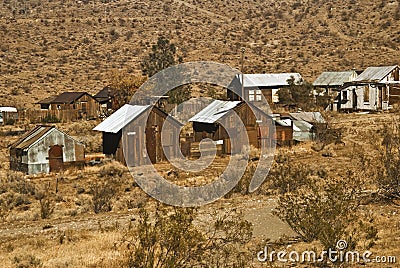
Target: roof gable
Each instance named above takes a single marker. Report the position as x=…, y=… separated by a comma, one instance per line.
x=269, y=80
x=69, y=97
x=214, y=111
x=33, y=136
x=125, y=115
x=104, y=94
x=334, y=78
x=375, y=74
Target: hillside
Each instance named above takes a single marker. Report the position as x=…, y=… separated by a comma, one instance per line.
x=50, y=46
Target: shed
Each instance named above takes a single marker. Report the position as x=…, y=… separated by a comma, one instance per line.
x=143, y=125
x=209, y=121
x=284, y=130
x=106, y=98
x=80, y=102
x=45, y=149
x=8, y=115
x=305, y=123
x=377, y=88
x=256, y=85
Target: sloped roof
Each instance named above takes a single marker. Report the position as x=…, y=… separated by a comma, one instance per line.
x=30, y=137
x=214, y=111
x=310, y=117
x=48, y=100
x=68, y=97
x=269, y=80
x=333, y=78
x=375, y=74
x=104, y=94
x=120, y=118
x=125, y=115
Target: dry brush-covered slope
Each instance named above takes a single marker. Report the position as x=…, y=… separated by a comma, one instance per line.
x=50, y=46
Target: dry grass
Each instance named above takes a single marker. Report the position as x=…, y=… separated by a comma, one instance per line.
x=57, y=46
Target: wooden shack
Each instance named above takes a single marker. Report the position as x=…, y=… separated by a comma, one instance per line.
x=80, y=103
x=106, y=98
x=137, y=130
x=283, y=130
x=209, y=121
x=45, y=149
x=257, y=85
x=376, y=89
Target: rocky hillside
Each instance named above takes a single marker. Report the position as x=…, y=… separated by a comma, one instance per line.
x=50, y=46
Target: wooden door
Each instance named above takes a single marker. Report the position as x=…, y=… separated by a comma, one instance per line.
x=56, y=161
x=151, y=145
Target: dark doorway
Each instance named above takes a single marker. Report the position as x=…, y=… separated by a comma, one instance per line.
x=354, y=99
x=151, y=145
x=56, y=161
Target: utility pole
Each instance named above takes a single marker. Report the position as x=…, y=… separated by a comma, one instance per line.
x=242, y=71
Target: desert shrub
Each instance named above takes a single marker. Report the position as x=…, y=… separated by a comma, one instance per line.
x=16, y=182
x=113, y=169
x=324, y=210
x=50, y=119
x=287, y=176
x=388, y=163
x=28, y=260
x=171, y=239
x=46, y=203
x=103, y=193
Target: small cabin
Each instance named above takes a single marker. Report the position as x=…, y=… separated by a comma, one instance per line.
x=46, y=149
x=257, y=85
x=377, y=88
x=81, y=103
x=209, y=122
x=133, y=135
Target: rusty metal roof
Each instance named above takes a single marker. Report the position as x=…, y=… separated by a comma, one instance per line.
x=334, y=78
x=375, y=74
x=214, y=111
x=30, y=137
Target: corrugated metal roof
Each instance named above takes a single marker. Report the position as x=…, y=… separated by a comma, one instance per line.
x=214, y=111
x=283, y=123
x=120, y=118
x=334, y=78
x=269, y=80
x=375, y=74
x=31, y=137
x=302, y=131
x=310, y=117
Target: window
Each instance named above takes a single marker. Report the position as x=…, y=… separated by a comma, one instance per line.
x=344, y=95
x=255, y=95
x=366, y=93
x=384, y=94
x=58, y=107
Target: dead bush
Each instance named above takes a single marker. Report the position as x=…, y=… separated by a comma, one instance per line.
x=169, y=238
x=103, y=193
x=46, y=203
x=388, y=165
x=325, y=210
